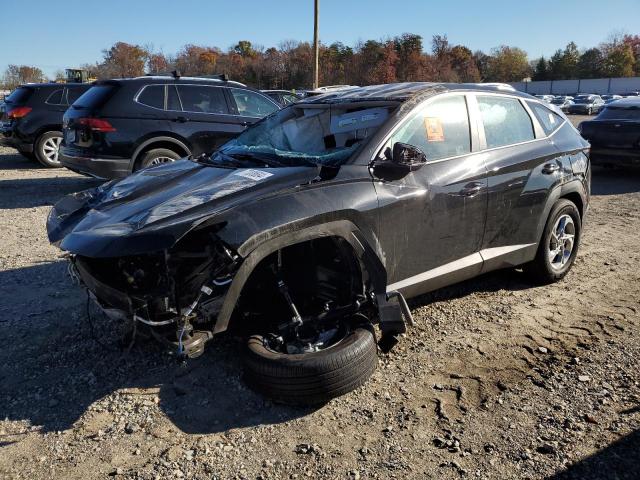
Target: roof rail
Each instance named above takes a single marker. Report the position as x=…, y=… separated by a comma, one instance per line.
x=177, y=74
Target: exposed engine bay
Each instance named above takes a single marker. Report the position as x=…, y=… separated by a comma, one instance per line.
x=296, y=297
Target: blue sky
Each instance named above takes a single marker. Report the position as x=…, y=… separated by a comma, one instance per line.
x=55, y=35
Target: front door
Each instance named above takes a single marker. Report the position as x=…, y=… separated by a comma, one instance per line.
x=432, y=220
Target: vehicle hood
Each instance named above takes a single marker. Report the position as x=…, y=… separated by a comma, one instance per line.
x=152, y=209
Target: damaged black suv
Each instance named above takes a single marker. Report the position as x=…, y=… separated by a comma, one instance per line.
x=316, y=223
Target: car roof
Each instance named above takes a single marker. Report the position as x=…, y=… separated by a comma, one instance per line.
x=627, y=102
x=171, y=79
x=51, y=85
x=404, y=91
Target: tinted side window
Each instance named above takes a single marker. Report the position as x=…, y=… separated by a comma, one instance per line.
x=440, y=130
x=55, y=98
x=173, y=101
x=548, y=119
x=95, y=97
x=152, y=96
x=203, y=99
x=74, y=93
x=505, y=121
x=252, y=104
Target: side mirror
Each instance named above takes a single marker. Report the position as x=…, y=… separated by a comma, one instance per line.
x=408, y=157
x=402, y=160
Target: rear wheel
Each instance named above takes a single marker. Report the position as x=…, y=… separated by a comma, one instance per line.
x=559, y=244
x=157, y=156
x=46, y=149
x=314, y=372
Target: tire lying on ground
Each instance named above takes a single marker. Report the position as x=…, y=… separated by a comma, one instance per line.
x=311, y=378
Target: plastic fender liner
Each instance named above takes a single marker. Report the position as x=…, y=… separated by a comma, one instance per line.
x=341, y=228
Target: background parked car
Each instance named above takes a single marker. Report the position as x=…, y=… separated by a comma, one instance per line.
x=283, y=97
x=31, y=119
x=563, y=103
x=611, y=98
x=586, y=105
x=545, y=98
x=120, y=126
x=615, y=134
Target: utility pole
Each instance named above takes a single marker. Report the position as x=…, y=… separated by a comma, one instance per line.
x=316, y=46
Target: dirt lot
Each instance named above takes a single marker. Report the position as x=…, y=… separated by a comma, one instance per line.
x=498, y=379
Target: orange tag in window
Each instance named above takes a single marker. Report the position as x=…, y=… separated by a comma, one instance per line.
x=433, y=126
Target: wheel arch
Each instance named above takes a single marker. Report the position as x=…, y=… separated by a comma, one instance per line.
x=343, y=229
x=572, y=191
x=162, y=141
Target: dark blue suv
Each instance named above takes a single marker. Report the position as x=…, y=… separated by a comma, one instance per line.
x=31, y=119
x=121, y=126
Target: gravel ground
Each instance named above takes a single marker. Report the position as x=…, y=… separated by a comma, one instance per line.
x=498, y=379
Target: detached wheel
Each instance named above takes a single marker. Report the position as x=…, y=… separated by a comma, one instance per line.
x=559, y=244
x=157, y=156
x=46, y=149
x=315, y=377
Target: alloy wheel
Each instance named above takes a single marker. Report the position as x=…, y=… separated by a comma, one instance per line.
x=561, y=242
x=160, y=161
x=51, y=148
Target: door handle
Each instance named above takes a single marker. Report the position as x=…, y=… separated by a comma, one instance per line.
x=471, y=189
x=181, y=119
x=550, y=168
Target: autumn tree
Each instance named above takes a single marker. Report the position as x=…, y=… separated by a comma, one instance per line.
x=591, y=64
x=463, y=64
x=620, y=62
x=197, y=60
x=408, y=58
x=157, y=63
x=15, y=75
x=541, y=70
x=508, y=64
x=123, y=60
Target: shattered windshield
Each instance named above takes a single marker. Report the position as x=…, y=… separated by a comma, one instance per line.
x=305, y=135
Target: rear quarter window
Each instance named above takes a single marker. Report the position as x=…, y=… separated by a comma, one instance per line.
x=549, y=120
x=95, y=97
x=55, y=98
x=152, y=96
x=505, y=121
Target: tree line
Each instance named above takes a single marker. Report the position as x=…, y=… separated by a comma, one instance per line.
x=398, y=59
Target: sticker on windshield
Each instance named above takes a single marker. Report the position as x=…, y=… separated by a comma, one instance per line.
x=433, y=126
x=253, y=174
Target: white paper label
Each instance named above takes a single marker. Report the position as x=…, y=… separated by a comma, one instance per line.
x=254, y=174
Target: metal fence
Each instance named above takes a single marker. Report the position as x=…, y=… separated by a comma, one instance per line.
x=590, y=85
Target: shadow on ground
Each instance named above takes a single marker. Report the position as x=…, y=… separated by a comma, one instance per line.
x=39, y=190
x=614, y=181
x=15, y=161
x=620, y=460
x=52, y=368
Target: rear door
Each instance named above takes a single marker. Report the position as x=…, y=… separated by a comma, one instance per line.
x=523, y=166
x=202, y=115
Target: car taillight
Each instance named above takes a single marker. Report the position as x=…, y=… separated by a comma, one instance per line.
x=96, y=124
x=18, y=112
